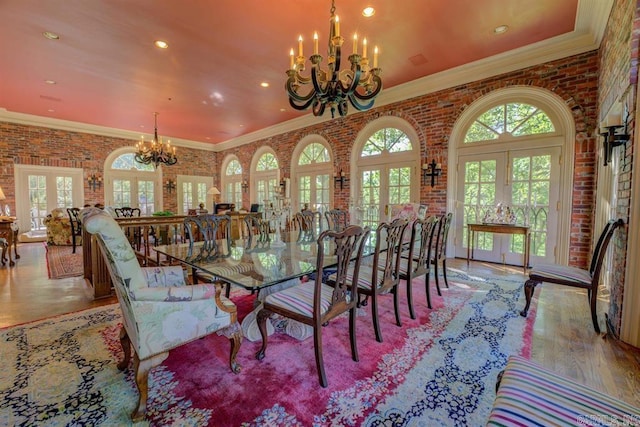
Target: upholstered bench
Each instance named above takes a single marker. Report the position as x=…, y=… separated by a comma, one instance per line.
x=530, y=395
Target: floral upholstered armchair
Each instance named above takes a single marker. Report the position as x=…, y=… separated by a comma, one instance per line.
x=59, y=228
x=160, y=311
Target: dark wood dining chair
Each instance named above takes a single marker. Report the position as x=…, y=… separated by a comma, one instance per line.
x=215, y=233
x=416, y=259
x=315, y=303
x=572, y=276
x=134, y=234
x=258, y=229
x=76, y=226
x=337, y=219
x=383, y=275
x=306, y=225
x=440, y=249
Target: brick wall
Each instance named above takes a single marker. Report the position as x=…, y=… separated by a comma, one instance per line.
x=32, y=145
x=574, y=79
x=618, y=81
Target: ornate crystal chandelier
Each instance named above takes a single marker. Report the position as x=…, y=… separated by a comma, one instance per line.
x=333, y=87
x=157, y=152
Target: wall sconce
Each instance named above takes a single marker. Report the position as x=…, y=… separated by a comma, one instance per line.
x=245, y=186
x=614, y=139
x=340, y=178
x=95, y=181
x=170, y=185
x=432, y=170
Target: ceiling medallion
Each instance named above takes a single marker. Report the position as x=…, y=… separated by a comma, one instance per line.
x=157, y=152
x=333, y=87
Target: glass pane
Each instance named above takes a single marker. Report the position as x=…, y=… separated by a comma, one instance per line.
x=267, y=162
x=121, y=193
x=187, y=197
x=146, y=199
x=127, y=162
x=233, y=168
x=314, y=153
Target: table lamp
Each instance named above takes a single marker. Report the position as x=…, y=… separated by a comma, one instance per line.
x=213, y=191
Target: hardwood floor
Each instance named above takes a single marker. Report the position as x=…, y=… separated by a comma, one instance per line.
x=563, y=337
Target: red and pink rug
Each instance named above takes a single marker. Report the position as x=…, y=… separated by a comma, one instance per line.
x=61, y=262
x=439, y=369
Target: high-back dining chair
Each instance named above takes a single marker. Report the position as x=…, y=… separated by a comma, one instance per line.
x=440, y=249
x=258, y=229
x=416, y=260
x=383, y=275
x=337, y=219
x=214, y=231
x=134, y=234
x=76, y=226
x=315, y=303
x=572, y=276
x=160, y=312
x=306, y=225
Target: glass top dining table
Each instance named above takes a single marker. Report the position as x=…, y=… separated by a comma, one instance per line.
x=252, y=264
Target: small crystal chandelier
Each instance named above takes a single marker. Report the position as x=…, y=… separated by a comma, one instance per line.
x=157, y=152
x=333, y=87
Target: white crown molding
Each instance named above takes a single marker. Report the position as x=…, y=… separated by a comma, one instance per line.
x=31, y=120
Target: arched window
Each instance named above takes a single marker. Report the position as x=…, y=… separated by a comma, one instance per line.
x=265, y=176
x=131, y=183
x=513, y=119
x=312, y=174
x=232, y=181
x=387, y=165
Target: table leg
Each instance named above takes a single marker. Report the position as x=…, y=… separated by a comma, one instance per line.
x=468, y=244
x=15, y=244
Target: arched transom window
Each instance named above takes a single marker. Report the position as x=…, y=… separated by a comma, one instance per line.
x=389, y=140
x=513, y=119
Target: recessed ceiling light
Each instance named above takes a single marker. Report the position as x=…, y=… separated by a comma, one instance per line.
x=368, y=11
x=161, y=44
x=500, y=29
x=264, y=84
x=283, y=110
x=50, y=82
x=51, y=36
x=51, y=111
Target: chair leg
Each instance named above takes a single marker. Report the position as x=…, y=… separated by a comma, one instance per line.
x=125, y=342
x=427, y=290
x=261, y=318
x=435, y=274
x=352, y=333
x=529, y=288
x=396, y=304
x=374, y=316
x=412, y=313
x=236, y=340
x=73, y=242
x=141, y=370
x=227, y=290
x=594, y=315
x=444, y=272
x=317, y=343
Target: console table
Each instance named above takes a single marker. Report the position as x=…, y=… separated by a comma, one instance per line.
x=9, y=231
x=502, y=229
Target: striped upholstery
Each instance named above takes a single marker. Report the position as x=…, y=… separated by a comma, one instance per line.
x=364, y=277
x=530, y=395
x=226, y=270
x=299, y=299
x=562, y=272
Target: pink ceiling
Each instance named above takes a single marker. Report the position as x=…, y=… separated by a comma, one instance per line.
x=206, y=86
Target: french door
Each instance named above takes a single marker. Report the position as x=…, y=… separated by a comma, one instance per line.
x=136, y=193
x=382, y=185
x=40, y=189
x=527, y=181
x=314, y=191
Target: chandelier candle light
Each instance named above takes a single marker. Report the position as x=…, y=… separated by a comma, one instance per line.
x=333, y=87
x=157, y=152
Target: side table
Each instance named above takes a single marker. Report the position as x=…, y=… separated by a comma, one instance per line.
x=9, y=230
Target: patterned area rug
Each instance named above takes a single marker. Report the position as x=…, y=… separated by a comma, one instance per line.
x=62, y=263
x=439, y=369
